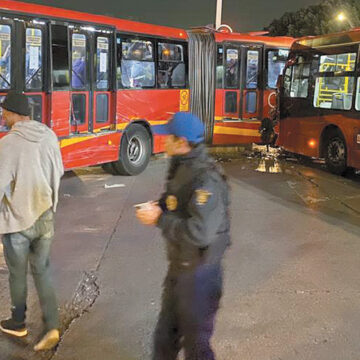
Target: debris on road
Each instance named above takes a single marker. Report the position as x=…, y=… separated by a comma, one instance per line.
x=113, y=186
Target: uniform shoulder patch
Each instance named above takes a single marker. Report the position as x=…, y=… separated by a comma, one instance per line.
x=202, y=196
x=171, y=202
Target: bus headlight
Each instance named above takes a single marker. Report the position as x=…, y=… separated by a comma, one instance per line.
x=358, y=138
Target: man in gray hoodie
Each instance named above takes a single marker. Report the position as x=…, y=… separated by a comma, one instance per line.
x=31, y=168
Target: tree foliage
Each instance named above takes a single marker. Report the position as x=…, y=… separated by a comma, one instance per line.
x=317, y=19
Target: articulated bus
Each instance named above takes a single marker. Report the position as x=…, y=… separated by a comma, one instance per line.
x=320, y=100
x=101, y=83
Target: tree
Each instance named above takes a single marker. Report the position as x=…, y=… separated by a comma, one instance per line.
x=317, y=19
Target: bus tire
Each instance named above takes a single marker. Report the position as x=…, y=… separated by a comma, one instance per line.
x=135, y=151
x=336, y=152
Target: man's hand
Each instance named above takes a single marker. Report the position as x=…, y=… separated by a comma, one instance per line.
x=150, y=214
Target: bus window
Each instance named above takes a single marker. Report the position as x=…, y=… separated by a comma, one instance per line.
x=232, y=69
x=300, y=81
x=335, y=92
x=137, y=64
x=33, y=59
x=5, y=57
x=220, y=68
x=60, y=57
x=35, y=102
x=287, y=81
x=252, y=69
x=276, y=60
x=102, y=63
x=357, y=102
x=296, y=79
x=78, y=114
x=335, y=63
x=79, y=71
x=102, y=108
x=171, y=67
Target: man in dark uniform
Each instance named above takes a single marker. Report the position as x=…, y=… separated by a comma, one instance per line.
x=194, y=219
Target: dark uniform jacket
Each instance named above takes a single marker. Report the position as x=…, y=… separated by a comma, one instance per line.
x=195, y=220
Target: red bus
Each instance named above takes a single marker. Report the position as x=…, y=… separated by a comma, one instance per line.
x=320, y=100
x=100, y=83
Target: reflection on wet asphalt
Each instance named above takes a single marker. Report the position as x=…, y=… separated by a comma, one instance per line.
x=294, y=179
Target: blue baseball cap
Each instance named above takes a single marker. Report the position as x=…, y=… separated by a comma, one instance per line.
x=185, y=125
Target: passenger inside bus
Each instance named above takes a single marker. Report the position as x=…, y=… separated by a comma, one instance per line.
x=231, y=73
x=78, y=71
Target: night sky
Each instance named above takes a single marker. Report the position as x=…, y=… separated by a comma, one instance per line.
x=242, y=15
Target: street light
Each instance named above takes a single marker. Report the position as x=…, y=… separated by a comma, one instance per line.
x=342, y=17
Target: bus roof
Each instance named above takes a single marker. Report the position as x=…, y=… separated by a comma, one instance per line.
x=277, y=41
x=330, y=40
x=122, y=25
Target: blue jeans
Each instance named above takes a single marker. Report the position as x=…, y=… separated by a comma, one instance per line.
x=32, y=245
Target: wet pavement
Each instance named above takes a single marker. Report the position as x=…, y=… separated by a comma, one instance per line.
x=292, y=275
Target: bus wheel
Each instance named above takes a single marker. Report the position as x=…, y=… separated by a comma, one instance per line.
x=135, y=151
x=336, y=153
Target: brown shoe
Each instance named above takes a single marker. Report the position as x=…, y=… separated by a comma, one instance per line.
x=49, y=341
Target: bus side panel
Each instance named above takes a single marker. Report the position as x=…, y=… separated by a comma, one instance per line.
x=154, y=106
x=219, y=104
x=302, y=135
x=269, y=102
x=149, y=105
x=79, y=151
x=297, y=132
x=60, y=113
x=236, y=132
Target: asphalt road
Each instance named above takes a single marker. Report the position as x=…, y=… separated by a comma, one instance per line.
x=292, y=275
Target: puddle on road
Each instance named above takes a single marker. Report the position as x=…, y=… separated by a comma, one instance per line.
x=268, y=165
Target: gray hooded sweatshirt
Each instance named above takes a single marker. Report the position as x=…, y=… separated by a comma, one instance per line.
x=30, y=171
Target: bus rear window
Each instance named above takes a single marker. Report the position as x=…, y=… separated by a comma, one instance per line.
x=5, y=57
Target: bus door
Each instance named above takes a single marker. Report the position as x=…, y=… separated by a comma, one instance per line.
x=81, y=64
x=92, y=89
x=103, y=85
x=251, y=88
x=35, y=76
x=232, y=61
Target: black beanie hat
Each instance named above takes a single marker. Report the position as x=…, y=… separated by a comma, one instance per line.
x=16, y=102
